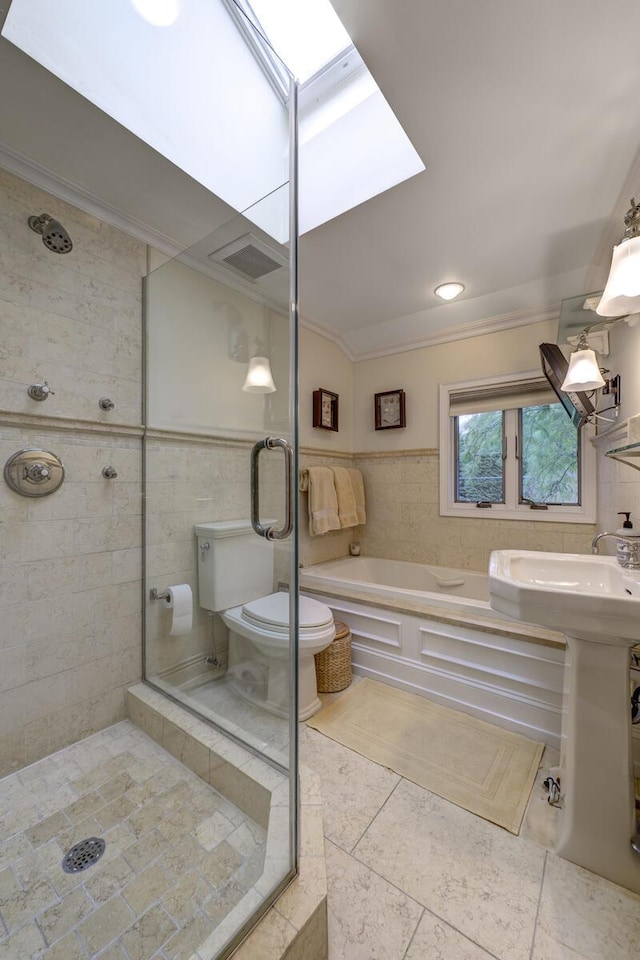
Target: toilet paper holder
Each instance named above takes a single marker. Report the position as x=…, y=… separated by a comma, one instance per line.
x=160, y=595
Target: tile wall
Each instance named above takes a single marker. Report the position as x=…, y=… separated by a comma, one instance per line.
x=70, y=563
x=192, y=480
x=329, y=546
x=403, y=521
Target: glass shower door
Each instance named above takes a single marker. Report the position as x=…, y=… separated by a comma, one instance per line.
x=219, y=492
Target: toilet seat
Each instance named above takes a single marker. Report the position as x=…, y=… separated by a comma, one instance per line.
x=266, y=621
x=273, y=612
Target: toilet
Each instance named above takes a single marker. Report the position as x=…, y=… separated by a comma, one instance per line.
x=235, y=579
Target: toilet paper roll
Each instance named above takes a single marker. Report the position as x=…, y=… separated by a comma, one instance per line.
x=181, y=603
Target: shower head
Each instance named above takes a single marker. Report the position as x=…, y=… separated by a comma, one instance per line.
x=54, y=236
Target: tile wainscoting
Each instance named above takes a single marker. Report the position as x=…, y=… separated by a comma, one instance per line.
x=403, y=520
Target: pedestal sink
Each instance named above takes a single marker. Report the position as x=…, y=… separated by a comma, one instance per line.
x=596, y=604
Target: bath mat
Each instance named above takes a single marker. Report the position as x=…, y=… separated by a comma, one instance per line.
x=482, y=768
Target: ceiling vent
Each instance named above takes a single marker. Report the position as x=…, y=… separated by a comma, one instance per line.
x=250, y=257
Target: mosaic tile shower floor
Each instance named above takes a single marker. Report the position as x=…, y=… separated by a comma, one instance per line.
x=178, y=855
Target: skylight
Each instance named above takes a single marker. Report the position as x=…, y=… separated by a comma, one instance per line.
x=306, y=35
x=198, y=84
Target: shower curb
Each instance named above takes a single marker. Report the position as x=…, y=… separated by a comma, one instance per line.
x=295, y=927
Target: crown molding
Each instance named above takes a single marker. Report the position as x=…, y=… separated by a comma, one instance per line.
x=16, y=163
x=328, y=334
x=463, y=331
x=37, y=175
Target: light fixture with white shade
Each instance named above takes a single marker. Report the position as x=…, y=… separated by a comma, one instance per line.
x=622, y=293
x=449, y=291
x=584, y=371
x=259, y=378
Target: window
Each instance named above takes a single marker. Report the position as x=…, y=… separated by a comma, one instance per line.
x=508, y=450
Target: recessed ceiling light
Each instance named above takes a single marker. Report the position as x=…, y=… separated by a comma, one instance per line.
x=449, y=291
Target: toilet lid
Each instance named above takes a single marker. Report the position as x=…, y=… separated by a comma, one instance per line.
x=274, y=611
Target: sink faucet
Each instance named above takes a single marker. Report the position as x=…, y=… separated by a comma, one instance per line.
x=628, y=549
x=596, y=540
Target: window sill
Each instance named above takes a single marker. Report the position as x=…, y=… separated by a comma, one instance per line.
x=496, y=512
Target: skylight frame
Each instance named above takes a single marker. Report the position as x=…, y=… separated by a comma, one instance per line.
x=275, y=70
x=328, y=77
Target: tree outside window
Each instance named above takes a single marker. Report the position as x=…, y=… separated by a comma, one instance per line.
x=540, y=441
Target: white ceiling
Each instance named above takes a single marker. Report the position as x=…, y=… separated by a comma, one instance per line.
x=526, y=116
x=524, y=113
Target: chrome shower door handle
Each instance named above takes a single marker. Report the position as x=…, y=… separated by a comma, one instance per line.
x=271, y=533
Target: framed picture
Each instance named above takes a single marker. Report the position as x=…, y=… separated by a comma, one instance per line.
x=390, y=410
x=325, y=409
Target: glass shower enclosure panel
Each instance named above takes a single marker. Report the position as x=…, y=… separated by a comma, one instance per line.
x=219, y=467
x=220, y=461
x=220, y=532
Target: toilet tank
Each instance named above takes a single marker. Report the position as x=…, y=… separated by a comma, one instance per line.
x=234, y=564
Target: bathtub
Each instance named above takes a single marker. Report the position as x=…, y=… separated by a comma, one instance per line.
x=446, y=587
x=430, y=630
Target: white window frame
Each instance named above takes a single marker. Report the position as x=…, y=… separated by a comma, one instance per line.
x=584, y=512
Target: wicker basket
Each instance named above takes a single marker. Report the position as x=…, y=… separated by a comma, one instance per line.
x=333, y=664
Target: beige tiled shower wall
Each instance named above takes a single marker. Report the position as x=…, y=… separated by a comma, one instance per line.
x=188, y=481
x=403, y=521
x=70, y=563
x=329, y=546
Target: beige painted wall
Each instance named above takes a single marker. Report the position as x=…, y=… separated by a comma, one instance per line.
x=323, y=364
x=194, y=384
x=419, y=372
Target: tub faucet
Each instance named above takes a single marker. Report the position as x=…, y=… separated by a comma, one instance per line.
x=628, y=549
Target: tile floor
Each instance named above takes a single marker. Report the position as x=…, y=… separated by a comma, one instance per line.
x=413, y=877
x=178, y=857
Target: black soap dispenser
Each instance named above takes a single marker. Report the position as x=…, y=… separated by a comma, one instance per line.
x=627, y=525
x=627, y=550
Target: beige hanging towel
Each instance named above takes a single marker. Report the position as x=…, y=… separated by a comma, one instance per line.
x=346, y=500
x=358, y=492
x=323, y=502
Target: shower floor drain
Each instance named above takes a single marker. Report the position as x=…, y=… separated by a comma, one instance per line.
x=83, y=855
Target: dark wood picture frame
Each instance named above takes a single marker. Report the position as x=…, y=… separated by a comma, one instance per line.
x=390, y=410
x=325, y=409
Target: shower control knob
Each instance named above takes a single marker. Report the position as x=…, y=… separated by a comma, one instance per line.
x=40, y=391
x=37, y=473
x=34, y=473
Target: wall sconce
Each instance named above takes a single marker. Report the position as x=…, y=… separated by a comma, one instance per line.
x=584, y=371
x=584, y=374
x=259, y=378
x=622, y=292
